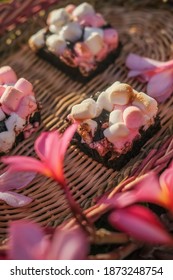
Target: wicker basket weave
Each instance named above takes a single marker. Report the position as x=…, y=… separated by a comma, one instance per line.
x=140, y=34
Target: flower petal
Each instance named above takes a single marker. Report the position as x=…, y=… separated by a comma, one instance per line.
x=26, y=241
x=15, y=180
x=161, y=84
x=166, y=183
x=15, y=199
x=23, y=163
x=140, y=223
x=144, y=189
x=69, y=245
x=137, y=62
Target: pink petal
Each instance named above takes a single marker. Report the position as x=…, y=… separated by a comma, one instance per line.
x=27, y=241
x=166, y=183
x=144, y=189
x=15, y=180
x=66, y=138
x=15, y=199
x=144, y=77
x=161, y=84
x=46, y=143
x=23, y=163
x=136, y=62
x=140, y=223
x=69, y=245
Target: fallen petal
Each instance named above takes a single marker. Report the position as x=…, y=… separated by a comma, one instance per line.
x=26, y=241
x=141, y=224
x=161, y=84
x=137, y=62
x=15, y=180
x=69, y=245
x=15, y=199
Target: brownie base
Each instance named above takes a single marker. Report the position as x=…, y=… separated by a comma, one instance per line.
x=120, y=161
x=74, y=72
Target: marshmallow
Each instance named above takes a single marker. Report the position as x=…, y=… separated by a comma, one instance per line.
x=70, y=8
x=23, y=85
x=133, y=117
x=2, y=115
x=88, y=31
x=145, y=103
x=54, y=29
x=14, y=122
x=58, y=17
x=82, y=10
x=116, y=131
x=93, y=126
x=55, y=44
x=2, y=89
x=120, y=94
x=11, y=98
x=71, y=32
x=86, y=110
x=7, y=75
x=94, y=20
x=115, y=116
x=110, y=36
x=94, y=43
x=27, y=106
x=36, y=41
x=104, y=102
x=7, y=139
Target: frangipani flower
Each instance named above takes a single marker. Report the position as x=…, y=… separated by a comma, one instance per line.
x=27, y=241
x=10, y=181
x=141, y=223
x=50, y=148
x=159, y=75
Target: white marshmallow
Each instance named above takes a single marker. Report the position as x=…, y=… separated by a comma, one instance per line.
x=7, y=139
x=104, y=102
x=83, y=111
x=2, y=115
x=37, y=40
x=145, y=103
x=120, y=93
x=94, y=43
x=83, y=10
x=116, y=131
x=58, y=17
x=115, y=116
x=90, y=30
x=54, y=29
x=93, y=126
x=55, y=44
x=71, y=32
x=15, y=123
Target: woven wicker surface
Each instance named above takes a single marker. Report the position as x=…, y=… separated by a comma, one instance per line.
x=145, y=31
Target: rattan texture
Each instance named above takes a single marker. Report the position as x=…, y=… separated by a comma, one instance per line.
x=143, y=30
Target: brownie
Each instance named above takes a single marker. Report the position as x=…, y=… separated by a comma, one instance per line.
x=78, y=41
x=114, y=124
x=19, y=110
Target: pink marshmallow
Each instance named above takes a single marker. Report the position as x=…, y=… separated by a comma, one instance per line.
x=11, y=98
x=94, y=20
x=26, y=107
x=133, y=117
x=70, y=8
x=110, y=36
x=2, y=89
x=24, y=86
x=7, y=75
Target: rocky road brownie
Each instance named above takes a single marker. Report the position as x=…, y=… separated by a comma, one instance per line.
x=19, y=110
x=77, y=40
x=114, y=124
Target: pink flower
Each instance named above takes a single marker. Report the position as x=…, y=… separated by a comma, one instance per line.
x=140, y=223
x=50, y=148
x=27, y=241
x=159, y=75
x=10, y=181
